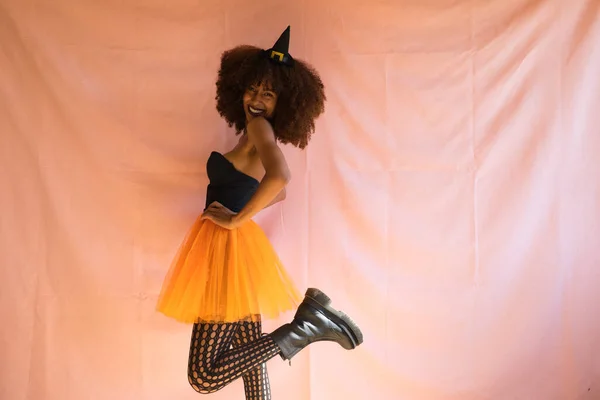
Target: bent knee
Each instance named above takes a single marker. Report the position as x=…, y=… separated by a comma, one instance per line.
x=204, y=385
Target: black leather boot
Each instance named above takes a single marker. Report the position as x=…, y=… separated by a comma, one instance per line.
x=316, y=321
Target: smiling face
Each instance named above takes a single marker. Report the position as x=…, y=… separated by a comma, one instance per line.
x=259, y=101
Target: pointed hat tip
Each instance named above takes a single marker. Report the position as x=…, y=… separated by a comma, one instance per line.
x=280, y=50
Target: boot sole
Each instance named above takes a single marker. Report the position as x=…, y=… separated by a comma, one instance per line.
x=322, y=302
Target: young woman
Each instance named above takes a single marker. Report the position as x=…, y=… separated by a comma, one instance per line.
x=226, y=276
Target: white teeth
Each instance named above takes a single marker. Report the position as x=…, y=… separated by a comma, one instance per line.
x=254, y=110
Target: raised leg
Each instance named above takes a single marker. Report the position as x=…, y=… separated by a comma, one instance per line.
x=213, y=364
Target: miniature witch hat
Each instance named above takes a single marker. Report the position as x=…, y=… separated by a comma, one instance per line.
x=279, y=52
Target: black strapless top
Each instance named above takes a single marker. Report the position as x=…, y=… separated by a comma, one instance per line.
x=228, y=186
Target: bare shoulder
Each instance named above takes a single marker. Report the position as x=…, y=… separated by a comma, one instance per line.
x=262, y=137
x=260, y=132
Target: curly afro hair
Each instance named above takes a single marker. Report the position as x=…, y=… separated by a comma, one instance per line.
x=299, y=89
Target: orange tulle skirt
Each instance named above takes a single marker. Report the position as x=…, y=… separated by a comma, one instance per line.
x=221, y=275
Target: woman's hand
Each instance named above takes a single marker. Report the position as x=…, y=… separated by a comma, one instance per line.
x=220, y=215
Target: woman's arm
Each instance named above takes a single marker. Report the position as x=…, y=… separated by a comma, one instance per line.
x=280, y=197
x=277, y=173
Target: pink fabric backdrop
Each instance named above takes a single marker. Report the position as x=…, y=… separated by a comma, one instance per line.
x=450, y=200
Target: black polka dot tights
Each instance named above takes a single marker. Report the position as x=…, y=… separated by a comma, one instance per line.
x=222, y=353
